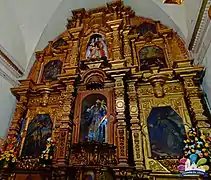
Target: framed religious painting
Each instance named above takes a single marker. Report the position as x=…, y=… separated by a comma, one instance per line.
x=38, y=131
x=166, y=132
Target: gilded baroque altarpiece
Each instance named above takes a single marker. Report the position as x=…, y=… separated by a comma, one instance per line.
x=109, y=87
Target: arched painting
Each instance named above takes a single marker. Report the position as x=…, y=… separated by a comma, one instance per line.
x=96, y=47
x=39, y=130
x=93, y=125
x=52, y=69
x=146, y=27
x=166, y=132
x=151, y=56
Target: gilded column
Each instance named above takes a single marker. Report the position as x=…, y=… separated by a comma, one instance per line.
x=193, y=94
x=168, y=51
x=115, y=25
x=65, y=125
x=135, y=125
x=127, y=48
x=18, y=115
x=73, y=56
x=135, y=61
x=122, y=134
x=21, y=93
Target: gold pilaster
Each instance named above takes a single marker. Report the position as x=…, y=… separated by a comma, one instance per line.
x=193, y=95
x=115, y=25
x=135, y=126
x=21, y=94
x=122, y=134
x=73, y=56
x=127, y=49
x=66, y=121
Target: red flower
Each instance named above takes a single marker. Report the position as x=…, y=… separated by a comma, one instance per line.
x=9, y=147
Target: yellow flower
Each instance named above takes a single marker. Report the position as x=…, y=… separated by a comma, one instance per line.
x=206, y=145
x=7, y=155
x=202, y=137
x=198, y=146
x=203, y=149
x=7, y=159
x=193, y=150
x=196, y=139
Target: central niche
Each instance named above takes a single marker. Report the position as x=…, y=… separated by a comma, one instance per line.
x=93, y=126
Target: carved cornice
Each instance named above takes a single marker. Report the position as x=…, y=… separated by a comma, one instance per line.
x=8, y=70
x=12, y=80
x=12, y=67
x=200, y=27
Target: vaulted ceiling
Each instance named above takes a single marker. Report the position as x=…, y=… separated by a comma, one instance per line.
x=28, y=25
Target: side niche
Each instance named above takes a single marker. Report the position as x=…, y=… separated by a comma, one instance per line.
x=151, y=56
x=93, y=125
x=51, y=70
x=96, y=47
x=38, y=131
x=166, y=133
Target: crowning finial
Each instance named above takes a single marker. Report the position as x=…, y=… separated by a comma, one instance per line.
x=173, y=1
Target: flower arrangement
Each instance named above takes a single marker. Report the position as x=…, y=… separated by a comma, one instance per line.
x=47, y=155
x=197, y=154
x=9, y=151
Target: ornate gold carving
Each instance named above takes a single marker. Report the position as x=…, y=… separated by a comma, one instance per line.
x=172, y=164
x=146, y=89
x=155, y=166
x=62, y=144
x=157, y=79
x=173, y=1
x=91, y=154
x=28, y=164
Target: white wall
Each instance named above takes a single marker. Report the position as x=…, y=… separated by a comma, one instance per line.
x=7, y=105
x=11, y=40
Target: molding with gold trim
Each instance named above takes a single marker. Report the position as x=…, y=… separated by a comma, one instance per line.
x=200, y=26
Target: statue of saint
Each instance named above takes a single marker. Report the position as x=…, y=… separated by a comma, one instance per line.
x=96, y=48
x=97, y=120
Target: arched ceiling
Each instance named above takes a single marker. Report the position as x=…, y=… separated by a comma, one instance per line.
x=27, y=26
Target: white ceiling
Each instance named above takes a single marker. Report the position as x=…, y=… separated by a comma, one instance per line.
x=28, y=25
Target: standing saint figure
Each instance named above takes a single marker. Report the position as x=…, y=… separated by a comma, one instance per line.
x=97, y=120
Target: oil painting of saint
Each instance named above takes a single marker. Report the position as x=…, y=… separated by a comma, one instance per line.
x=52, y=69
x=166, y=132
x=94, y=119
x=151, y=56
x=97, y=47
x=39, y=130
